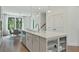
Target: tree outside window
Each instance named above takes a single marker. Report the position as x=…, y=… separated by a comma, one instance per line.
x=18, y=23
x=14, y=23
x=11, y=24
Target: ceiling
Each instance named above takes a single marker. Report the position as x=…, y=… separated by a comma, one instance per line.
x=23, y=9
x=28, y=9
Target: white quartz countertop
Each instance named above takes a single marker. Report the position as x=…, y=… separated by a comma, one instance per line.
x=49, y=34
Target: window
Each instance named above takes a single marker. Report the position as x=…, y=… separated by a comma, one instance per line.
x=14, y=23
x=18, y=23
x=11, y=24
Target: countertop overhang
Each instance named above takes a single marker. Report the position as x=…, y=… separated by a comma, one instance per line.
x=49, y=34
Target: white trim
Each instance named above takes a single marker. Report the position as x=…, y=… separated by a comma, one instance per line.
x=73, y=44
x=16, y=14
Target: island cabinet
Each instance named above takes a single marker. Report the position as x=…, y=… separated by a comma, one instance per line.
x=35, y=43
x=43, y=44
x=38, y=43
x=0, y=27
x=29, y=41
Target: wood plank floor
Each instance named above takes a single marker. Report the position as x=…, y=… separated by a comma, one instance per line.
x=73, y=49
x=14, y=45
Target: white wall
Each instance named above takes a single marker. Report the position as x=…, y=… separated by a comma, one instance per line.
x=43, y=21
x=26, y=22
x=4, y=22
x=0, y=26
x=72, y=26
x=71, y=23
x=39, y=18
x=0, y=12
x=55, y=20
x=36, y=17
x=43, y=18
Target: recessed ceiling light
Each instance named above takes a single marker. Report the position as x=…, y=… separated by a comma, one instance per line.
x=38, y=8
x=49, y=11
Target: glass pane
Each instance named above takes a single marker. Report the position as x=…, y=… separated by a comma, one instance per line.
x=11, y=24
x=18, y=23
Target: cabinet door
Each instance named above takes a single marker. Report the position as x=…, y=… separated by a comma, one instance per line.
x=24, y=41
x=43, y=45
x=50, y=22
x=35, y=43
x=29, y=41
x=59, y=22
x=55, y=22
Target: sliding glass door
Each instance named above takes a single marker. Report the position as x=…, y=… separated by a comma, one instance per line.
x=11, y=24
x=18, y=23
x=14, y=23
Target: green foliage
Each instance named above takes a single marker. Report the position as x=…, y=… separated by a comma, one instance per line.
x=18, y=23
x=11, y=23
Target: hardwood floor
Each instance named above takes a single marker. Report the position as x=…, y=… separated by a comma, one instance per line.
x=14, y=45
x=73, y=49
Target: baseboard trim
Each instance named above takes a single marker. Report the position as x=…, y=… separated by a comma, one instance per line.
x=73, y=44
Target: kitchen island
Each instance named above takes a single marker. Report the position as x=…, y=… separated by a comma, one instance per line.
x=0, y=37
x=45, y=41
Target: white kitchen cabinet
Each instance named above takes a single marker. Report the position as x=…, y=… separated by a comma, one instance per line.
x=0, y=27
x=0, y=37
x=30, y=44
x=43, y=45
x=55, y=21
x=29, y=41
x=42, y=42
x=0, y=12
x=24, y=41
x=36, y=46
x=24, y=37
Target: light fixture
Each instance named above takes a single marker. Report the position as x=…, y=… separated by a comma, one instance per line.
x=49, y=11
x=39, y=8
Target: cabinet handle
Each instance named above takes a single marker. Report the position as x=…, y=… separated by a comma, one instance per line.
x=54, y=29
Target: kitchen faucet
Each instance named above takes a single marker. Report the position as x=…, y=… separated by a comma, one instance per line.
x=37, y=25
